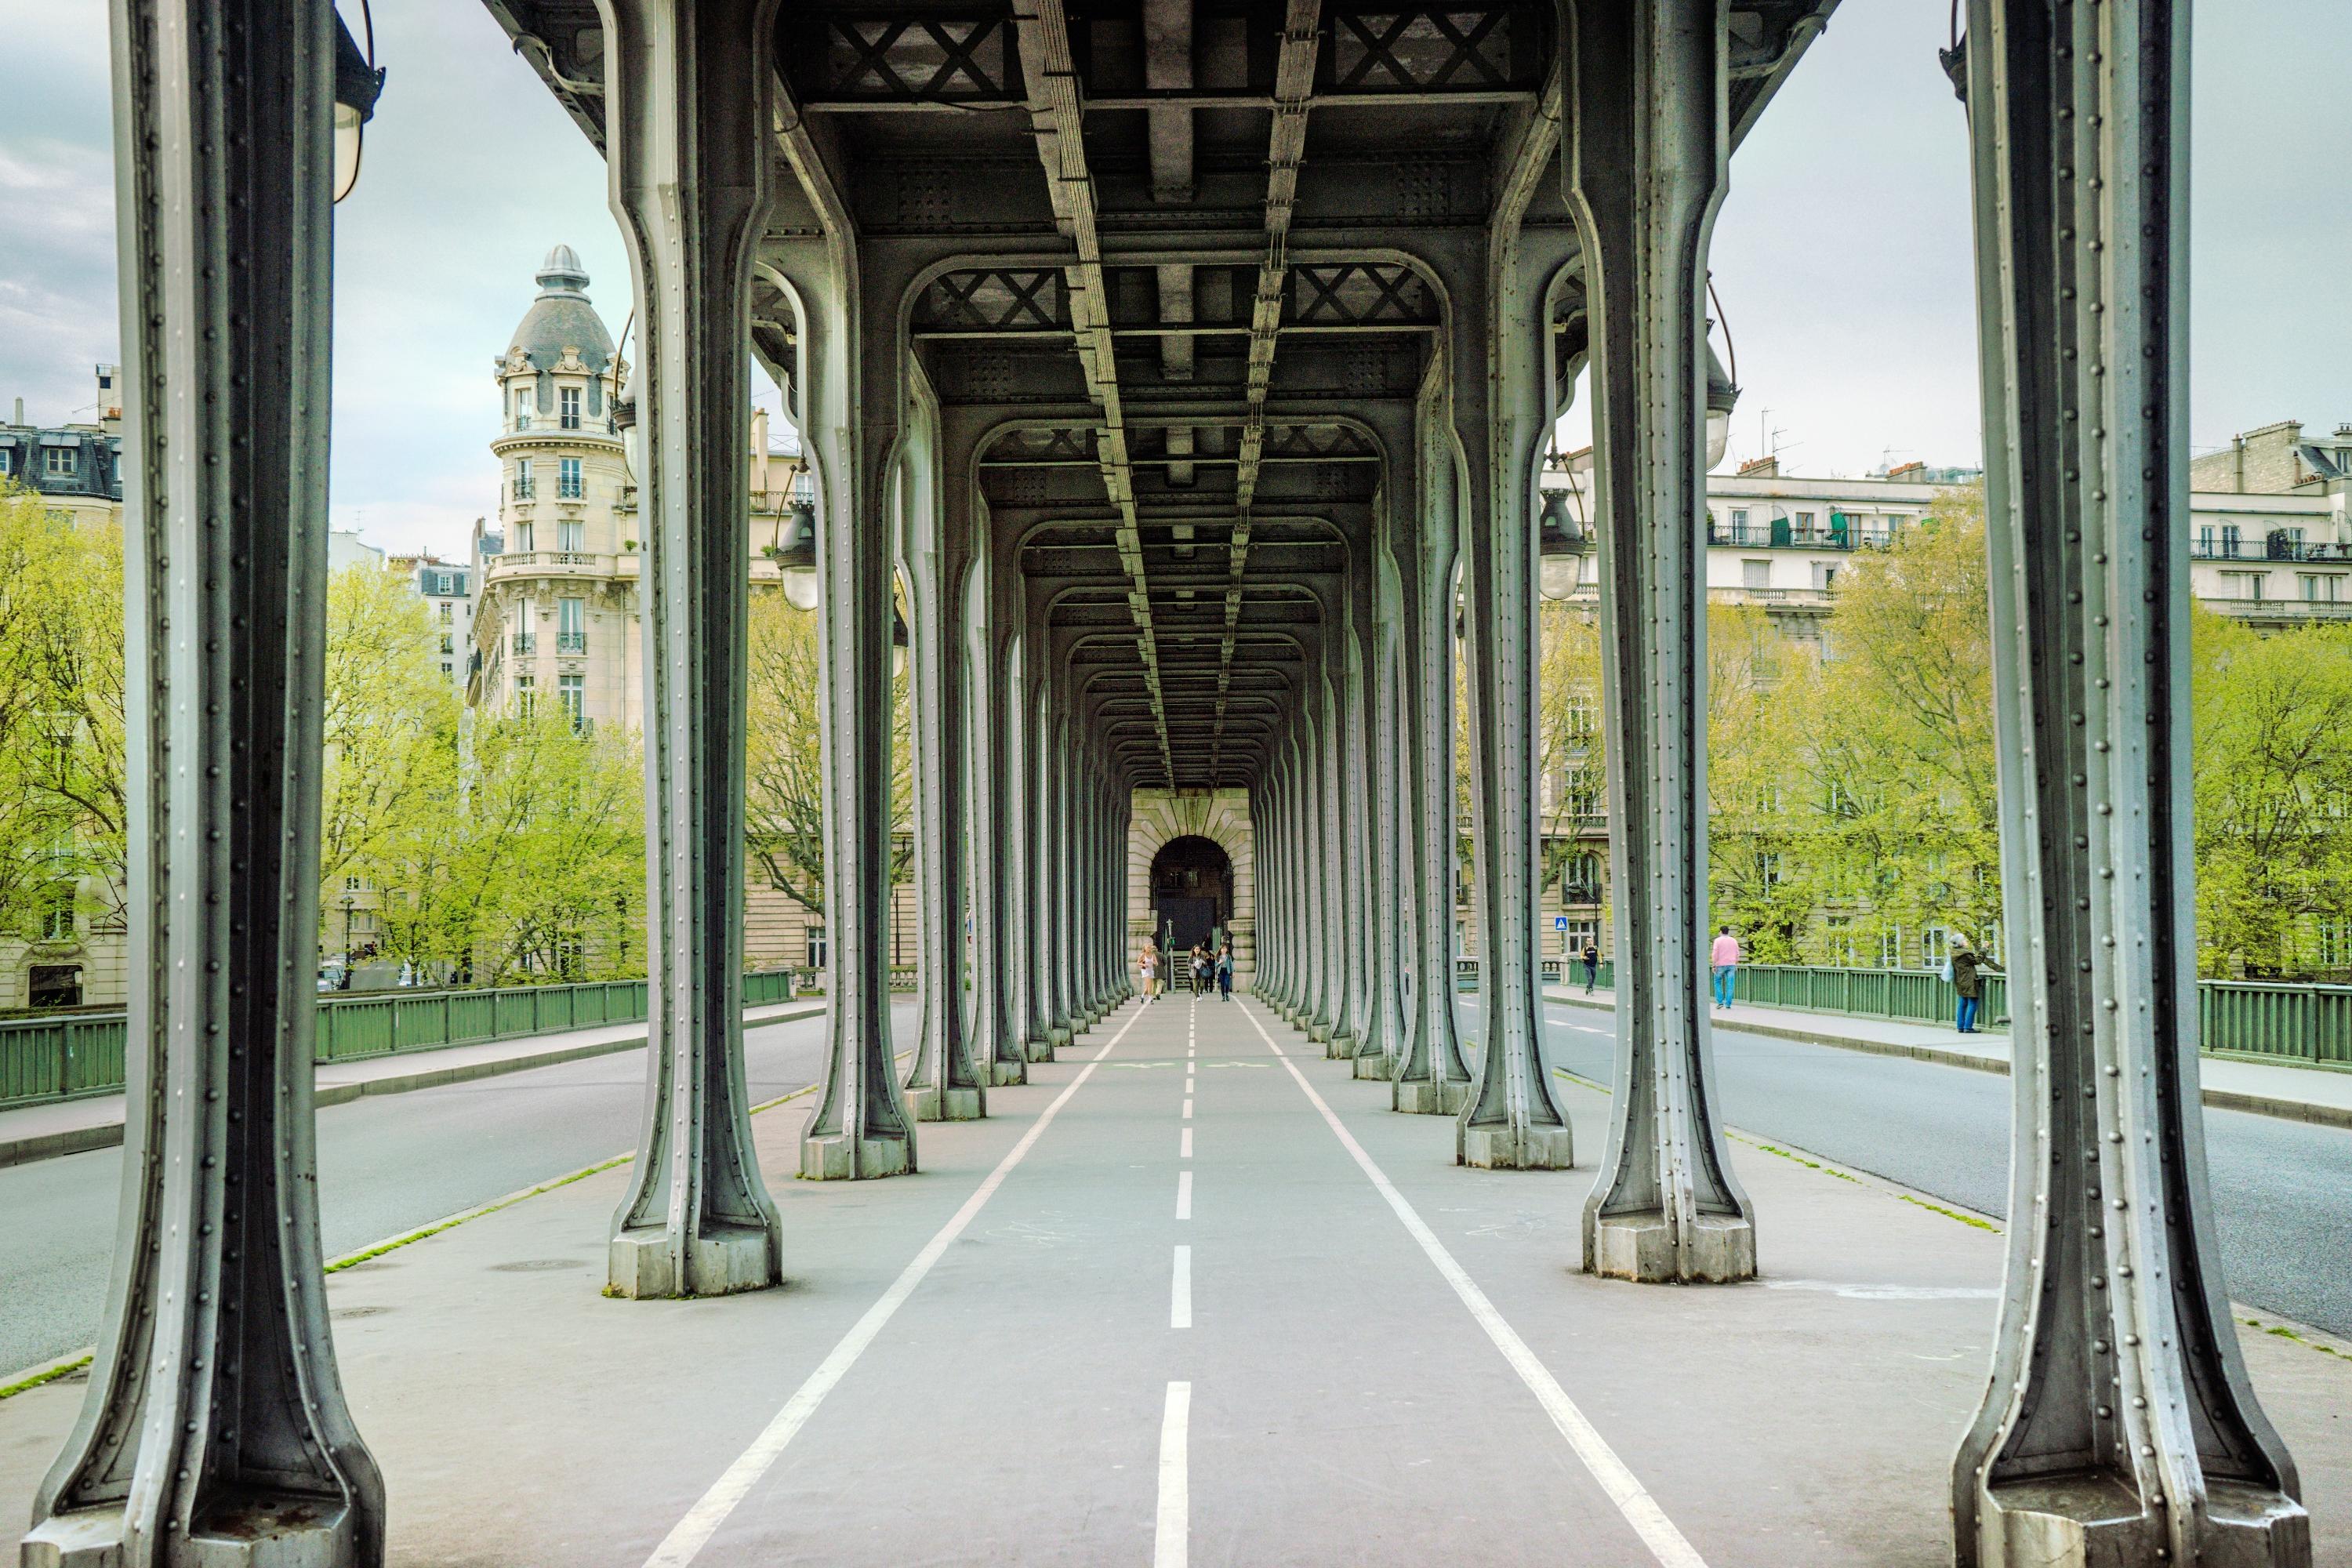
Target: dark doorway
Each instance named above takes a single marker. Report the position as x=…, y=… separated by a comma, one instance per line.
x=1191, y=893
x=55, y=985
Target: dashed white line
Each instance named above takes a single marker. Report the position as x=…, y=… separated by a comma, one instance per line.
x=1640, y=1510
x=1171, y=1543
x=1180, y=1290
x=686, y=1539
x=1183, y=1194
x=1188, y=1111
x=1186, y=1152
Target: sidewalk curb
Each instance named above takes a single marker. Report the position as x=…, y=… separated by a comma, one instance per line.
x=2217, y=1099
x=80, y=1140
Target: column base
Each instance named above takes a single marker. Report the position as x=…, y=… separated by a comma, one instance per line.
x=1004, y=1074
x=1340, y=1048
x=1376, y=1067
x=1318, y=1031
x=944, y=1104
x=255, y=1532
x=2088, y=1521
x=1056, y=1036
x=1502, y=1149
x=1038, y=1048
x=1640, y=1247
x=1422, y=1098
x=828, y=1158
x=721, y=1261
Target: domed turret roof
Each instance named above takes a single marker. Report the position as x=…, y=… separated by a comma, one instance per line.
x=562, y=316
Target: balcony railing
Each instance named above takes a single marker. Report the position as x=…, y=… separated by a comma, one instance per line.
x=1781, y=535
x=525, y=642
x=571, y=641
x=515, y=562
x=2226, y=548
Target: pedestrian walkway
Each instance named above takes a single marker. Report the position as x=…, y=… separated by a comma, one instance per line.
x=2230, y=1083
x=1193, y=1295
x=70, y=1126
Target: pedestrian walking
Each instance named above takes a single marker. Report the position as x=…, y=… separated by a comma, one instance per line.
x=1146, y=965
x=1225, y=972
x=1969, y=982
x=1200, y=969
x=1727, y=964
x=1591, y=967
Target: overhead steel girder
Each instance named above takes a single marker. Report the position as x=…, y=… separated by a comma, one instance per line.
x=214, y=1414
x=2118, y=1425
x=1646, y=172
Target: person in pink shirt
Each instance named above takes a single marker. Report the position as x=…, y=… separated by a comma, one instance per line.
x=1727, y=961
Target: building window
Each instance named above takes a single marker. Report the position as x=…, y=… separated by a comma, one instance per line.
x=572, y=626
x=1935, y=947
x=526, y=694
x=567, y=485
x=526, y=642
x=53, y=913
x=1837, y=938
x=1755, y=573
x=53, y=985
x=1890, y=948
x=1767, y=869
x=815, y=940
x=521, y=534
x=2322, y=587
x=2247, y=585
x=523, y=399
x=58, y=462
x=571, y=692
x=447, y=669
x=569, y=405
x=449, y=614
x=1738, y=525
x=7, y=461
x=1580, y=935
x=2204, y=539
x=448, y=642
x=2229, y=540
x=524, y=488
x=1824, y=576
x=572, y=535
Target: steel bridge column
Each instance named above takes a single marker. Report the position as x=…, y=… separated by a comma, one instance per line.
x=2120, y=1425
x=946, y=1082
x=1386, y=938
x=1316, y=876
x=1052, y=860
x=1431, y=1078
x=1036, y=879
x=1298, y=960
x=1648, y=171
x=1265, y=819
x=691, y=188
x=995, y=856
x=1339, y=876
x=214, y=1411
x=1070, y=865
x=855, y=396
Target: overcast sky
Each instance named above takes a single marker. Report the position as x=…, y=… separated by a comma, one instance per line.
x=1841, y=256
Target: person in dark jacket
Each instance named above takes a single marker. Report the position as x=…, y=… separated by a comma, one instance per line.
x=1591, y=967
x=1969, y=982
x=1225, y=972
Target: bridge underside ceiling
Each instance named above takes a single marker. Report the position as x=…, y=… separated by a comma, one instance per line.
x=1164, y=227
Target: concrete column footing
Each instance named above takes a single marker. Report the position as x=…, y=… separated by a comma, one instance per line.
x=1422, y=1098
x=2072, y=1522
x=1038, y=1048
x=1640, y=1247
x=1318, y=1031
x=944, y=1104
x=1002, y=1074
x=1375, y=1067
x=1056, y=1036
x=1340, y=1048
x=722, y=1260
x=260, y=1532
x=1503, y=1149
x=828, y=1158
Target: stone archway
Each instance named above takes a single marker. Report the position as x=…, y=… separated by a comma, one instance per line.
x=1191, y=891
x=1159, y=819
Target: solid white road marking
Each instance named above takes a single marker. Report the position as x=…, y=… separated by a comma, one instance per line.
x=1173, y=1543
x=1180, y=1290
x=1641, y=1509
x=687, y=1540
x=1186, y=1152
x=1183, y=1194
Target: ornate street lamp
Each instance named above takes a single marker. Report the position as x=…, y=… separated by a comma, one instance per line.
x=359, y=82
x=345, y=982
x=795, y=555
x=1561, y=541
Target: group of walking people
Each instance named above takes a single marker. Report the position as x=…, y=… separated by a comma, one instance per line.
x=1201, y=968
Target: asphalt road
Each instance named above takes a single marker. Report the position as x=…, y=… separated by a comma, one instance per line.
x=387, y=1163
x=2281, y=1189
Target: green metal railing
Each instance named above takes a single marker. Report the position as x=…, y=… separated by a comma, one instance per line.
x=1915, y=995
x=67, y=1055
x=2311, y=1025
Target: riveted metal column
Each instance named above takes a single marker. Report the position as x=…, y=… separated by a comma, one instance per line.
x=1339, y=876
x=1066, y=866
x=1052, y=873
x=1646, y=173
x=1314, y=882
x=1391, y=938
x=1000, y=771
x=214, y=1414
x=996, y=962
x=689, y=168
x=1431, y=1078
x=2120, y=1425
x=1294, y=860
x=1513, y=1119
x=1037, y=729
x=946, y=1082
x=855, y=371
